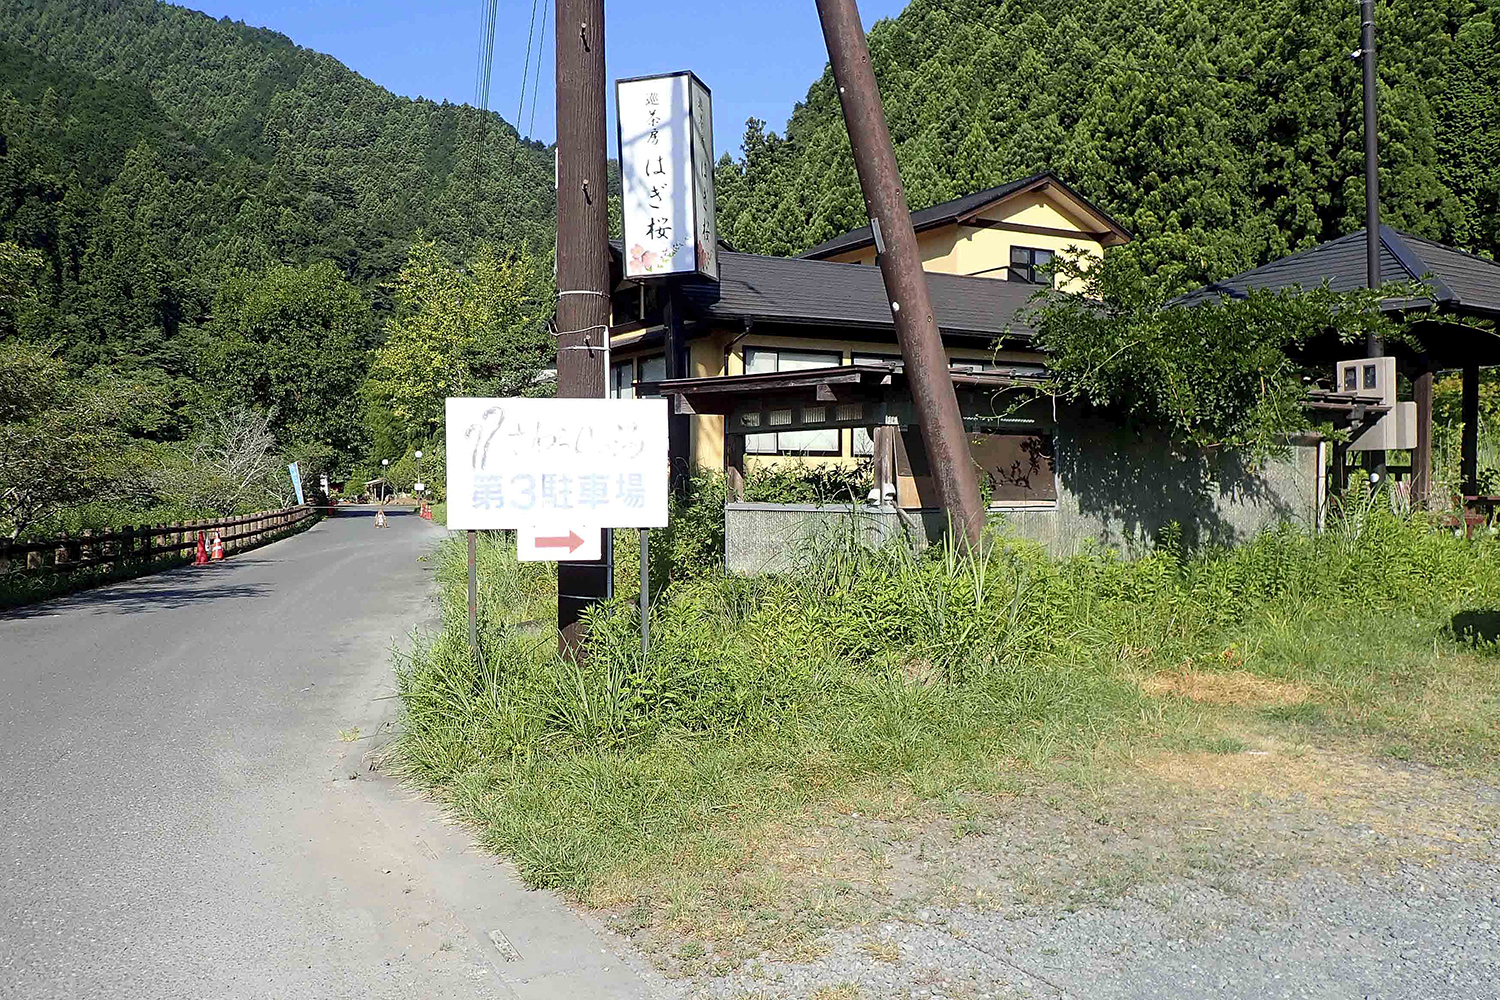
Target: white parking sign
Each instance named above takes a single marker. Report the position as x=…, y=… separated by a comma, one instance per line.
x=549, y=464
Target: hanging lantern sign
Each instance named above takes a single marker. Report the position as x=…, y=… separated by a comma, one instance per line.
x=667, y=176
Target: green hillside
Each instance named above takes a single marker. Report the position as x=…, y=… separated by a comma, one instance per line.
x=164, y=165
x=1222, y=133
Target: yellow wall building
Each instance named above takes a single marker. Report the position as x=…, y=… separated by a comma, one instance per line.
x=989, y=253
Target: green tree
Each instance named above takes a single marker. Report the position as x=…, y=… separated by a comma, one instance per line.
x=20, y=304
x=294, y=342
x=61, y=438
x=1222, y=134
x=1222, y=374
x=477, y=330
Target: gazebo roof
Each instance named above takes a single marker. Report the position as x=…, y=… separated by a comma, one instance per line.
x=1461, y=283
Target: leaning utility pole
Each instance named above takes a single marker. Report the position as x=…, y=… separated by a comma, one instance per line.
x=1373, y=346
x=901, y=267
x=582, y=266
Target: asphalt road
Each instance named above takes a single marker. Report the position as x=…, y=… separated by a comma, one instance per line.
x=186, y=811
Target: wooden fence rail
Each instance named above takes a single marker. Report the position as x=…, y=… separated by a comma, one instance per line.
x=142, y=544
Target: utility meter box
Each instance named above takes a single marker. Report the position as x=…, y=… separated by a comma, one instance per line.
x=1376, y=377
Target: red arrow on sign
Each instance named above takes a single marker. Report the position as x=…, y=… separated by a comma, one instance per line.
x=570, y=541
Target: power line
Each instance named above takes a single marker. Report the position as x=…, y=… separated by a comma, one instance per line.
x=526, y=66
x=486, y=54
x=540, y=52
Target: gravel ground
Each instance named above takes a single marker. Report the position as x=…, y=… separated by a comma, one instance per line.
x=1362, y=879
x=1414, y=933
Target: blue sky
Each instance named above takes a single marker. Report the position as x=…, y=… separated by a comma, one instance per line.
x=758, y=56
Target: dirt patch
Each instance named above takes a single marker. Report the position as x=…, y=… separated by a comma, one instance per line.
x=1238, y=688
x=1415, y=810
x=1141, y=826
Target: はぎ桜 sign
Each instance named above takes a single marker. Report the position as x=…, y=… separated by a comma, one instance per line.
x=553, y=465
x=667, y=176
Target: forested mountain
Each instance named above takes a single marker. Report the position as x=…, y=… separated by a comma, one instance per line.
x=365, y=167
x=212, y=225
x=168, y=168
x=1224, y=133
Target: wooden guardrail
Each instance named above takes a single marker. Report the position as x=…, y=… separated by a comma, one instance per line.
x=144, y=544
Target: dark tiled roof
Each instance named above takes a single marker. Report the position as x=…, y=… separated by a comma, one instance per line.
x=952, y=211
x=821, y=293
x=1460, y=282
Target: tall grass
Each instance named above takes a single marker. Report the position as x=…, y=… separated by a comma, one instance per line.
x=938, y=670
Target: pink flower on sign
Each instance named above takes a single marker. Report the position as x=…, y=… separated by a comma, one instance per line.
x=702, y=251
x=642, y=259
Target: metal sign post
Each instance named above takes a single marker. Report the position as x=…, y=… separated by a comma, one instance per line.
x=645, y=591
x=474, y=594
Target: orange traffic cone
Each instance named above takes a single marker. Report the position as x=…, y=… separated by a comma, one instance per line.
x=201, y=559
x=218, y=550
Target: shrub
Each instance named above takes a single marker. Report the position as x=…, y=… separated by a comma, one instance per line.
x=888, y=663
x=694, y=540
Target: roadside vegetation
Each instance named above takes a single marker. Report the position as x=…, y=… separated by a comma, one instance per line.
x=879, y=677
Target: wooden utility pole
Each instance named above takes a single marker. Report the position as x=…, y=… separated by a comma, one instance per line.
x=1373, y=347
x=901, y=266
x=582, y=266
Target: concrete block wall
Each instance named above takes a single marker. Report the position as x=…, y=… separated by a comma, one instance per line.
x=1121, y=489
x=1115, y=488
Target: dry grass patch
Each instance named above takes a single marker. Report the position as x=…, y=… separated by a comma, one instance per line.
x=1238, y=688
x=1419, y=811
x=843, y=991
x=882, y=949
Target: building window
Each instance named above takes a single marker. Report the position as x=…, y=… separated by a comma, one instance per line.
x=624, y=374
x=622, y=380
x=627, y=304
x=763, y=361
x=654, y=369
x=1030, y=265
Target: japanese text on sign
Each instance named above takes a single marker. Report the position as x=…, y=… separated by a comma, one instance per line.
x=666, y=165
x=545, y=463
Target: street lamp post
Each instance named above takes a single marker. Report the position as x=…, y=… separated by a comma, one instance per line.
x=384, y=483
x=420, y=487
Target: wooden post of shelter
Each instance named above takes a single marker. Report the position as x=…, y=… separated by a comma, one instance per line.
x=884, y=466
x=1470, y=448
x=734, y=466
x=1421, y=458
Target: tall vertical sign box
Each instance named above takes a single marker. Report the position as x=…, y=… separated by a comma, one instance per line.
x=667, y=176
